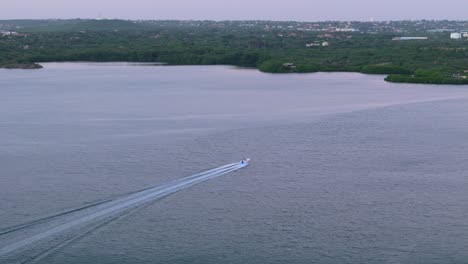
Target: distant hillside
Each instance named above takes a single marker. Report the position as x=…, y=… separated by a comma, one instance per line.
x=271, y=46
x=72, y=25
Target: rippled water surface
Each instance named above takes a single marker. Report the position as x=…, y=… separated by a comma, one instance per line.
x=345, y=167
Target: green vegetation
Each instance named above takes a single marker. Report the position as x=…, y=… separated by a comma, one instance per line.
x=384, y=69
x=273, y=47
x=273, y=66
x=427, y=76
x=25, y=66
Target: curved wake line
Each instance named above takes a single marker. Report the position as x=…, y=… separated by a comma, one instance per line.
x=77, y=220
x=54, y=248
x=346, y=109
x=18, y=227
x=15, y=228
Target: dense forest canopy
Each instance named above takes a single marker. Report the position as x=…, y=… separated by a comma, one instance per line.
x=276, y=47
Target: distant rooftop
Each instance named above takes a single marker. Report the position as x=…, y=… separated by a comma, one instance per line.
x=410, y=38
x=440, y=30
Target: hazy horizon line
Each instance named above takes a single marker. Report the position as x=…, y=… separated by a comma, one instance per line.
x=239, y=20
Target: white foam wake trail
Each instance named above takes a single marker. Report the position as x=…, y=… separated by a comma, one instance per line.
x=77, y=221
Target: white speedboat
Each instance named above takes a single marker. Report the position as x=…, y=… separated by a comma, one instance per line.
x=245, y=161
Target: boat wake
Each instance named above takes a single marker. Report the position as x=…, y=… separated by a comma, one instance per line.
x=29, y=242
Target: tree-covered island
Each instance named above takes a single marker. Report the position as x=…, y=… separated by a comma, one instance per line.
x=274, y=47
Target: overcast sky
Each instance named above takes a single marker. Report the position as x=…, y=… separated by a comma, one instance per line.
x=301, y=10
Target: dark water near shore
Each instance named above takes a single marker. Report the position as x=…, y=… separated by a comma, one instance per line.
x=346, y=168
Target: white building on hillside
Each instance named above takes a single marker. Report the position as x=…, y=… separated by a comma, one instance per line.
x=455, y=35
x=409, y=38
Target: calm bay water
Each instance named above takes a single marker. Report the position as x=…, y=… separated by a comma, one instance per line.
x=345, y=167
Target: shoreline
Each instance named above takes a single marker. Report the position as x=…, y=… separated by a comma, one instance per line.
x=392, y=78
x=22, y=66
